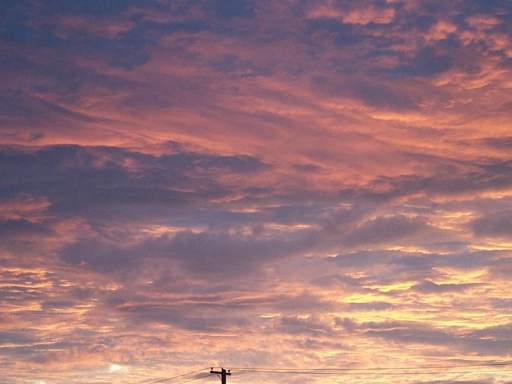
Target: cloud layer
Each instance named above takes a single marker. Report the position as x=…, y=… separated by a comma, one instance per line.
x=254, y=183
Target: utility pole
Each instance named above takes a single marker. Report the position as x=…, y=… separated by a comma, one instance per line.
x=223, y=374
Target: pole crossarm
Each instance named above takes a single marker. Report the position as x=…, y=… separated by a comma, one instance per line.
x=223, y=374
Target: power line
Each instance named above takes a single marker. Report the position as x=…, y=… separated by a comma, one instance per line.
x=343, y=371
x=374, y=372
x=166, y=379
x=196, y=379
x=335, y=369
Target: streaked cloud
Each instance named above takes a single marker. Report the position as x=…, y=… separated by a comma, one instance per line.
x=254, y=183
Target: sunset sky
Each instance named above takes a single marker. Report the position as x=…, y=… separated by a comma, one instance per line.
x=255, y=183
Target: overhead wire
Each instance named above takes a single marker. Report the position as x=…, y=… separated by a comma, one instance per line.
x=167, y=379
x=348, y=369
x=374, y=372
x=196, y=379
x=461, y=369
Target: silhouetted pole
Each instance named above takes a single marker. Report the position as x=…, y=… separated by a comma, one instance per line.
x=223, y=374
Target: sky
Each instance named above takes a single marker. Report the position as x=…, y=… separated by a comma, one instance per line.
x=255, y=183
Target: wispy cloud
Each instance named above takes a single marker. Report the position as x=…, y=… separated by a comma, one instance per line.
x=183, y=182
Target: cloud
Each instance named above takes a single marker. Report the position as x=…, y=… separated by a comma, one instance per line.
x=362, y=15
x=88, y=177
x=22, y=229
x=495, y=224
x=384, y=230
x=485, y=341
x=183, y=182
x=304, y=326
x=368, y=15
x=431, y=287
x=371, y=306
x=14, y=338
x=232, y=8
x=426, y=62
